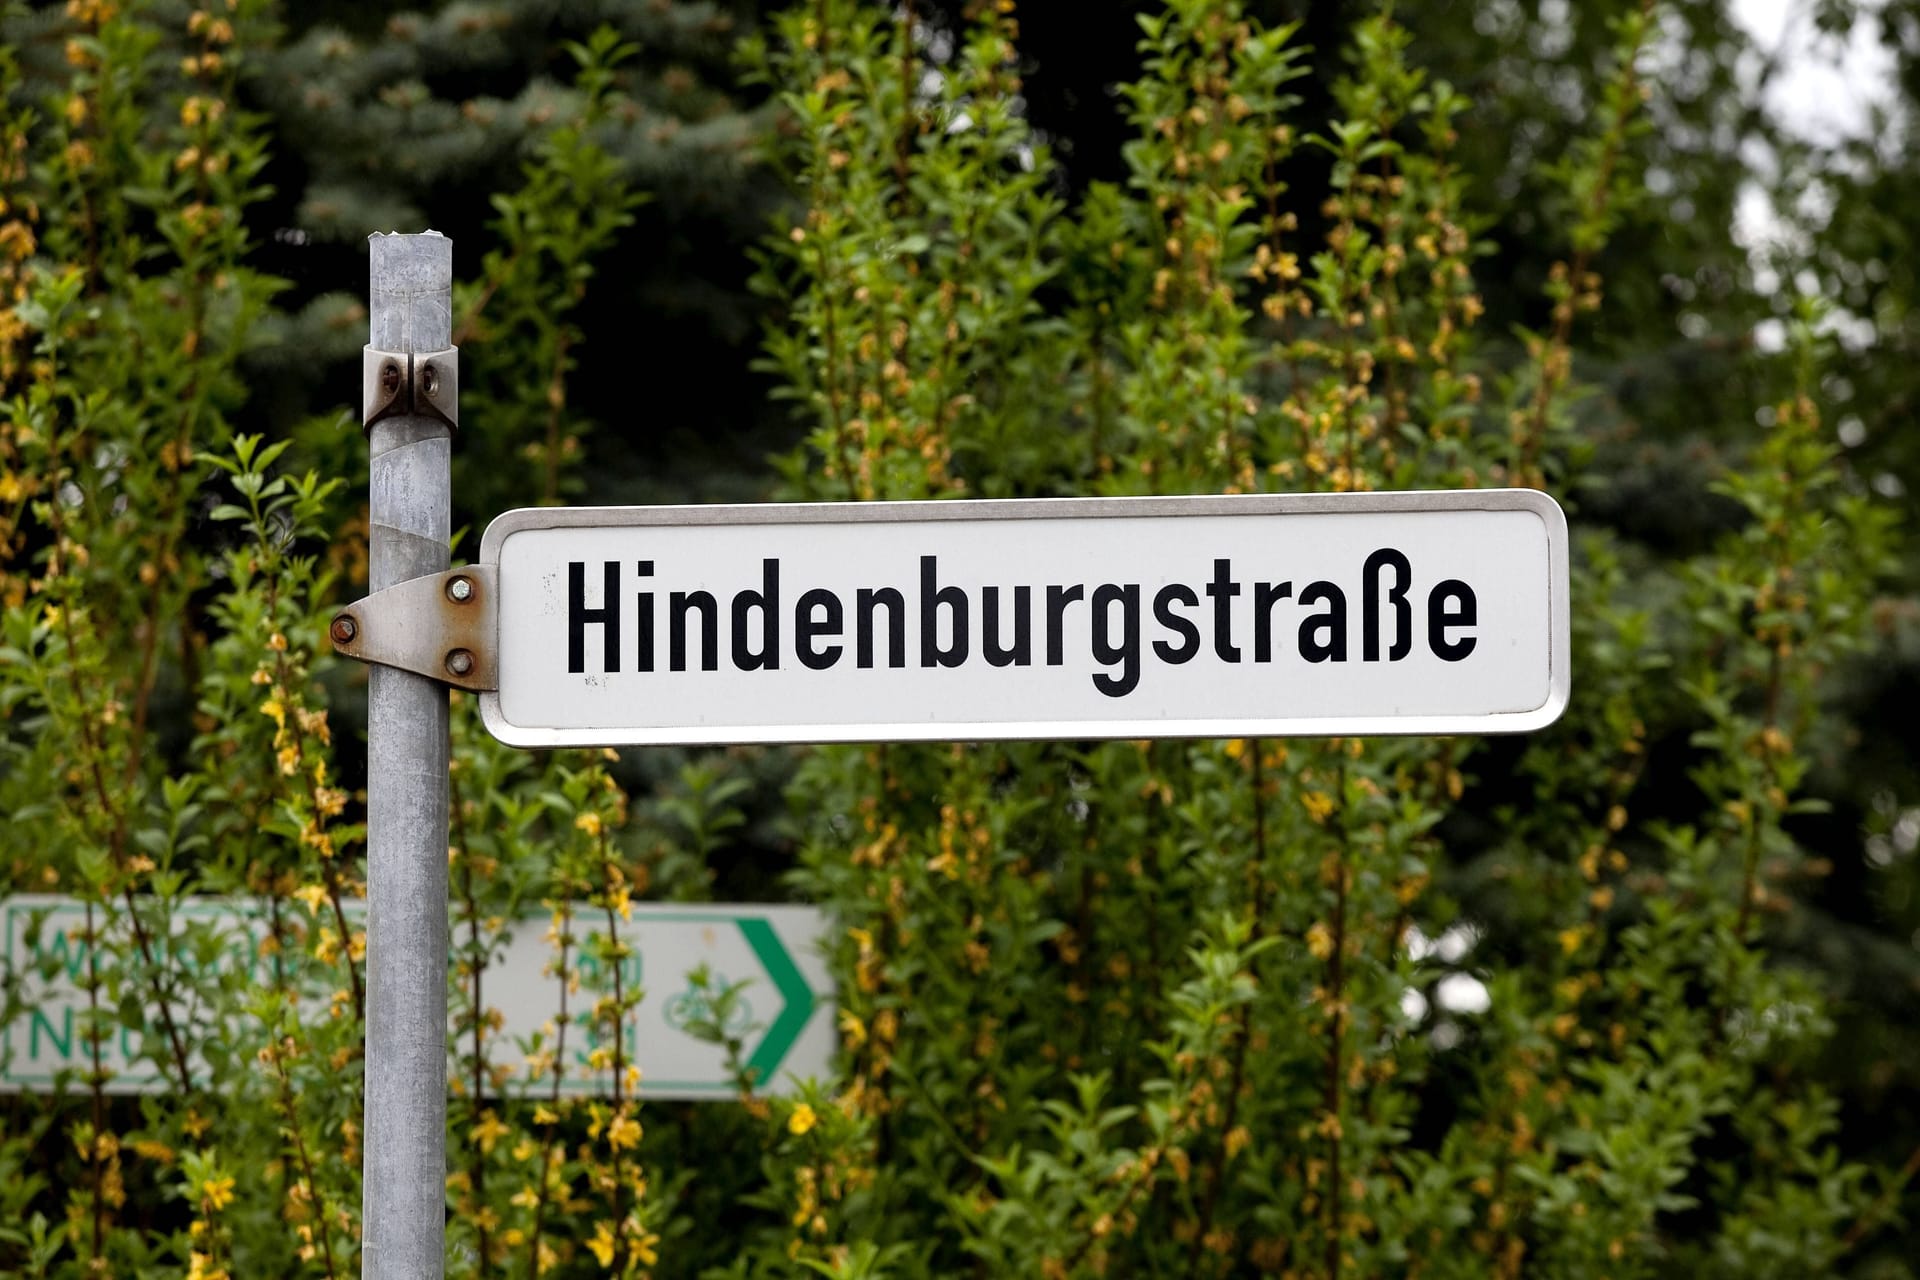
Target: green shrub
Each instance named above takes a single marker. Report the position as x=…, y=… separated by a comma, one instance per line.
x=1307, y=1008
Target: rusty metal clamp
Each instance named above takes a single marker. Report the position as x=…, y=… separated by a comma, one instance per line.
x=425, y=383
x=445, y=626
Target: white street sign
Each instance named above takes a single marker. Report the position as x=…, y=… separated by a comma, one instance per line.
x=1380, y=613
x=784, y=1018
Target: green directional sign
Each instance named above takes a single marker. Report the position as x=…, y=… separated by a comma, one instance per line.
x=752, y=973
x=780, y=1011
x=796, y=999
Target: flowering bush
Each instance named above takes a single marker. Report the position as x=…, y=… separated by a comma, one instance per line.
x=1307, y=1008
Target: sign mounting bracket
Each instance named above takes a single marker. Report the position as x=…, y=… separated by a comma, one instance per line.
x=422, y=383
x=445, y=626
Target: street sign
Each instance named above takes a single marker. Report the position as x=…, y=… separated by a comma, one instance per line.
x=1378, y=613
x=783, y=1015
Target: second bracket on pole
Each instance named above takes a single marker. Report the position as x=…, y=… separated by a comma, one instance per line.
x=425, y=383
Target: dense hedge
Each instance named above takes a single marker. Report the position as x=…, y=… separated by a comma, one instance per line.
x=1437, y=1007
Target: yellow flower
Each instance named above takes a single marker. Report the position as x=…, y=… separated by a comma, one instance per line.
x=1181, y=1162
x=588, y=822
x=488, y=1132
x=624, y=1132
x=313, y=895
x=644, y=1253
x=602, y=1243
x=801, y=1120
x=217, y=1193
x=1319, y=940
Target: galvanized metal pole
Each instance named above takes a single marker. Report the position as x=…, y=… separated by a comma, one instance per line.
x=404, y=1206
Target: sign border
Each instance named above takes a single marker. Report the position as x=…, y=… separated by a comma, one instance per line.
x=1542, y=505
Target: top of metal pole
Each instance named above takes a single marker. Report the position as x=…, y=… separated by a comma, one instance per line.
x=411, y=299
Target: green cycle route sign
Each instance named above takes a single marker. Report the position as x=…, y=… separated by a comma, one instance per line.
x=781, y=1015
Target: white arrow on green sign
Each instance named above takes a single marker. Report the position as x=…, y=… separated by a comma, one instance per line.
x=782, y=1016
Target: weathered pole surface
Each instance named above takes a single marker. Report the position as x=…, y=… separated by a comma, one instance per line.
x=404, y=1204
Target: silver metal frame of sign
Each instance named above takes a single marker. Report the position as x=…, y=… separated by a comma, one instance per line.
x=979, y=510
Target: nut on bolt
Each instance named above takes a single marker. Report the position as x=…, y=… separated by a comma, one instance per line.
x=459, y=662
x=460, y=590
x=343, y=630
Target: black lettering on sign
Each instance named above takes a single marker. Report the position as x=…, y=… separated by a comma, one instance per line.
x=645, y=601
x=753, y=620
x=807, y=628
x=1451, y=604
x=1021, y=652
x=1385, y=557
x=1265, y=596
x=1333, y=623
x=766, y=602
x=579, y=617
x=1127, y=652
x=679, y=605
x=1058, y=598
x=1163, y=602
x=865, y=603
x=932, y=597
x=1223, y=589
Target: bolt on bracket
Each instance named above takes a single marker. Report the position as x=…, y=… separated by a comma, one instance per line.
x=445, y=626
x=425, y=383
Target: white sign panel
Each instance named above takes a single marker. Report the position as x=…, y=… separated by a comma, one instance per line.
x=783, y=1017
x=1404, y=613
